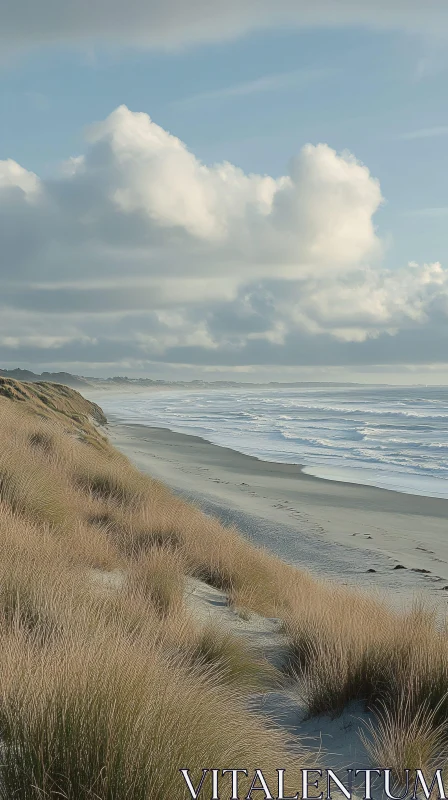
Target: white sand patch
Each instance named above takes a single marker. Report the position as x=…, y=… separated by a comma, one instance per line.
x=114, y=579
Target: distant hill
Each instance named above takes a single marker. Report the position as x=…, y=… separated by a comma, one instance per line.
x=81, y=382
x=74, y=381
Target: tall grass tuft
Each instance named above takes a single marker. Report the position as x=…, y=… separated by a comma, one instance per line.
x=406, y=736
x=231, y=658
x=159, y=576
x=103, y=718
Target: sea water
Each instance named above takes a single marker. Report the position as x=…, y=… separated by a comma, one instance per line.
x=390, y=437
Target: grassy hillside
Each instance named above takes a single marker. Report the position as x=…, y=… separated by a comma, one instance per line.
x=108, y=686
x=50, y=400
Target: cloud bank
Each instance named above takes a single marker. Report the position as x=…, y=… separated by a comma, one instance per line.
x=171, y=23
x=138, y=252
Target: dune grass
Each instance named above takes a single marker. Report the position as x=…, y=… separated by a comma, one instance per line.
x=160, y=577
x=102, y=717
x=101, y=665
x=227, y=654
x=345, y=647
x=406, y=736
x=107, y=686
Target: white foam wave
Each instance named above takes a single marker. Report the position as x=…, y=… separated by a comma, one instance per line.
x=398, y=436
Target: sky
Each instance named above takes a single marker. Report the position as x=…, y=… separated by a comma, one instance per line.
x=253, y=189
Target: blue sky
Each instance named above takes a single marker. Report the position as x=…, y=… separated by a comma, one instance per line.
x=254, y=100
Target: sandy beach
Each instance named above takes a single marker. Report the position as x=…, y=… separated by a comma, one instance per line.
x=390, y=543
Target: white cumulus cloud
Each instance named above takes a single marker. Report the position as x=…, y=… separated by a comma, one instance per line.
x=137, y=250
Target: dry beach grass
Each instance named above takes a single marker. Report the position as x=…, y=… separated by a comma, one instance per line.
x=108, y=685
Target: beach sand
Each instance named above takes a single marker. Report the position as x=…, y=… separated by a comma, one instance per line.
x=337, y=530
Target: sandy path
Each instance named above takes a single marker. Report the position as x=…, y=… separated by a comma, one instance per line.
x=337, y=739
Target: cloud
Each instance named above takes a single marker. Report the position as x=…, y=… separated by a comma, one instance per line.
x=297, y=79
x=16, y=179
x=436, y=211
x=168, y=23
x=138, y=252
x=426, y=133
x=433, y=63
x=38, y=100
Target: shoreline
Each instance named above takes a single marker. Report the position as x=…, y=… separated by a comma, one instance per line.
x=387, y=542
x=365, y=473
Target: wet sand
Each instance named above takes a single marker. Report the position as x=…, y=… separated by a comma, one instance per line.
x=338, y=530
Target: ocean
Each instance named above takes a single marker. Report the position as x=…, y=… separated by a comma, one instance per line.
x=390, y=437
